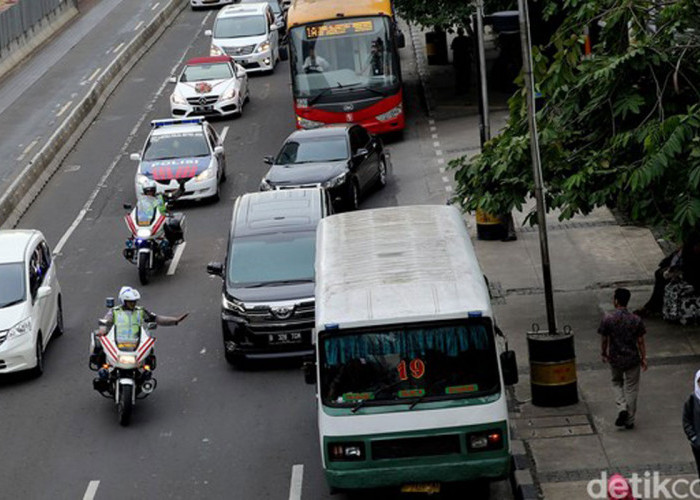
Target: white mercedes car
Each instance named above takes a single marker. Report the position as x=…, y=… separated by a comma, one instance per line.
x=210, y=86
x=180, y=149
x=31, y=311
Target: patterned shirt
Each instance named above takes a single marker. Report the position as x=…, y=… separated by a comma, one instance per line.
x=623, y=330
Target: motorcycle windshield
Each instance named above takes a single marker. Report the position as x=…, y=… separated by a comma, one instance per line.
x=146, y=209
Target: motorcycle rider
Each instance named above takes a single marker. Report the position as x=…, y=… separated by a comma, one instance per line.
x=160, y=200
x=128, y=320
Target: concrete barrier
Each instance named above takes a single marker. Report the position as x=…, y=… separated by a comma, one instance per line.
x=33, y=177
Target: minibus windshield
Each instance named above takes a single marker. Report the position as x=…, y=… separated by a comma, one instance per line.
x=402, y=364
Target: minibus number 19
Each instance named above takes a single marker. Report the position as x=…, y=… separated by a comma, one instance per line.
x=416, y=367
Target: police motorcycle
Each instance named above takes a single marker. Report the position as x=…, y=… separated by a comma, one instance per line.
x=124, y=362
x=154, y=235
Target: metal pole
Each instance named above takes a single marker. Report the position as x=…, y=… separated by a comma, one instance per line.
x=486, y=133
x=536, y=164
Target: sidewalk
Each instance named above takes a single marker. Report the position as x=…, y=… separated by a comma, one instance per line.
x=590, y=256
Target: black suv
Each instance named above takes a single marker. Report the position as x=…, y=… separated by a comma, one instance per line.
x=268, y=290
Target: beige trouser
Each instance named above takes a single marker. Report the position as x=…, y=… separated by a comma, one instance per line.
x=626, y=387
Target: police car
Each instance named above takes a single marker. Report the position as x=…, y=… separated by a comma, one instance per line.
x=214, y=86
x=176, y=149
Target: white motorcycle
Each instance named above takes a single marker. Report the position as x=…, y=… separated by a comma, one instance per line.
x=124, y=367
x=154, y=236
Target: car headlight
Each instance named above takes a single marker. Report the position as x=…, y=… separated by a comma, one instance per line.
x=335, y=181
x=176, y=98
x=232, y=305
x=215, y=50
x=207, y=174
x=304, y=123
x=391, y=114
x=229, y=94
x=20, y=328
x=346, y=451
x=143, y=233
x=263, y=47
x=127, y=360
x=142, y=180
x=265, y=185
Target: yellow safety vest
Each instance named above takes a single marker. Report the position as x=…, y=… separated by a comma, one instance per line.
x=127, y=324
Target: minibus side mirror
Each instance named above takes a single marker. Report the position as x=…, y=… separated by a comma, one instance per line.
x=215, y=269
x=509, y=366
x=309, y=367
x=400, y=39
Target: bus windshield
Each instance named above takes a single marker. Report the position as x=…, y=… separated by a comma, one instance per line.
x=335, y=57
x=400, y=365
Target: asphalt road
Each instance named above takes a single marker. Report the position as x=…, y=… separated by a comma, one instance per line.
x=208, y=431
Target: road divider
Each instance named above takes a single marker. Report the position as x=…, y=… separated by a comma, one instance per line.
x=31, y=179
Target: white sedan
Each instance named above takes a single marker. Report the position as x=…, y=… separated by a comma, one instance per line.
x=31, y=312
x=210, y=86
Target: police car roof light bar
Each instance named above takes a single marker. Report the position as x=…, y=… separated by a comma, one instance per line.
x=195, y=120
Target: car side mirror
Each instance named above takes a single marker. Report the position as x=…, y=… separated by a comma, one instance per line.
x=207, y=33
x=109, y=302
x=509, y=367
x=269, y=160
x=400, y=39
x=361, y=153
x=219, y=150
x=135, y=156
x=309, y=368
x=240, y=69
x=127, y=206
x=172, y=79
x=215, y=269
x=151, y=325
x=43, y=292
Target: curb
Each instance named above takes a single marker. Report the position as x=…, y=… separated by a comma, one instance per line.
x=29, y=182
x=521, y=480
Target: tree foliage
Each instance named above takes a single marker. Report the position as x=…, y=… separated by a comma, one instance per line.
x=619, y=129
x=445, y=14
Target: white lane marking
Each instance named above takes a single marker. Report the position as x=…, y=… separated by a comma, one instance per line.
x=223, y=133
x=436, y=144
x=71, y=168
x=296, y=482
x=91, y=490
x=176, y=258
x=441, y=161
x=442, y=170
x=94, y=74
x=445, y=179
x=27, y=149
x=431, y=121
x=118, y=48
x=448, y=189
x=155, y=6
x=138, y=26
x=435, y=136
x=88, y=204
x=438, y=152
x=64, y=108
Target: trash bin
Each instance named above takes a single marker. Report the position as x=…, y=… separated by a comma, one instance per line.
x=490, y=226
x=436, y=47
x=552, y=368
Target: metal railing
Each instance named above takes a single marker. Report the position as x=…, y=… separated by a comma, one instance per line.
x=17, y=20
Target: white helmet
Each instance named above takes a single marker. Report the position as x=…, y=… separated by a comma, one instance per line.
x=128, y=294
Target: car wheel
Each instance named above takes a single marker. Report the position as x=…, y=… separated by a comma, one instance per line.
x=58, y=331
x=38, y=370
x=223, y=176
x=247, y=95
x=383, y=173
x=353, y=198
x=217, y=195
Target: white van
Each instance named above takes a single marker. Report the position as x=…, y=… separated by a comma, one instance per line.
x=411, y=387
x=248, y=33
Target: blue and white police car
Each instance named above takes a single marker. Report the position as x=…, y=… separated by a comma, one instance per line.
x=177, y=149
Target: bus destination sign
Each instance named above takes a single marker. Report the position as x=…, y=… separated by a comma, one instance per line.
x=338, y=29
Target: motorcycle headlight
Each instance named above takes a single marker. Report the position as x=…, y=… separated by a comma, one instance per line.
x=143, y=233
x=232, y=305
x=176, y=98
x=265, y=185
x=263, y=47
x=391, y=114
x=20, y=328
x=142, y=180
x=304, y=123
x=127, y=359
x=229, y=94
x=335, y=181
x=215, y=50
x=207, y=174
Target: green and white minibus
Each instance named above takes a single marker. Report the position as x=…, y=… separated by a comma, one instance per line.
x=409, y=378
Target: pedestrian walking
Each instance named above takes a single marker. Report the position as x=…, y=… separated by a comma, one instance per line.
x=691, y=420
x=622, y=345
x=462, y=61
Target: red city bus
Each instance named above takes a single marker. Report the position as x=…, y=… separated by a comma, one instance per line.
x=345, y=64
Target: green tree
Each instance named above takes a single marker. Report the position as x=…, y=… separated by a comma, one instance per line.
x=445, y=14
x=618, y=129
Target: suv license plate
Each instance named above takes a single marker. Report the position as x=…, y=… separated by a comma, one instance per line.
x=429, y=488
x=203, y=109
x=284, y=338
